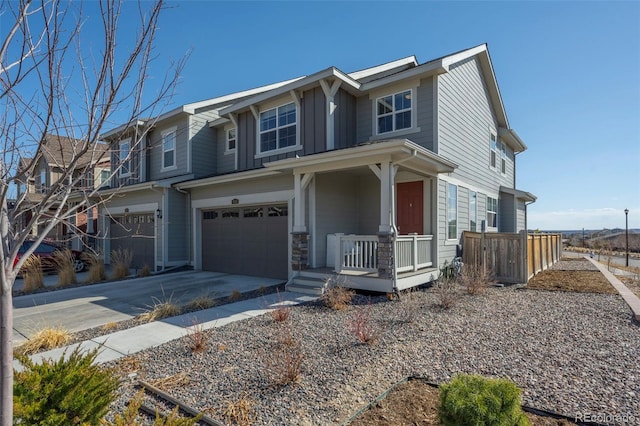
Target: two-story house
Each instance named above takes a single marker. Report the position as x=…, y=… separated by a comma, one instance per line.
x=57, y=154
x=374, y=174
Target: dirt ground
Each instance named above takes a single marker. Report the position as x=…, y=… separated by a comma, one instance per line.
x=578, y=281
x=415, y=403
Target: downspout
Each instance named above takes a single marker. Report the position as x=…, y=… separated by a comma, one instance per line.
x=189, y=218
x=392, y=208
x=162, y=230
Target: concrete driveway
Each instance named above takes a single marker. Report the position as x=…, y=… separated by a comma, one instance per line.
x=95, y=305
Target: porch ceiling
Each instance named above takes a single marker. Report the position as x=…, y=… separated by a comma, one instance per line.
x=397, y=151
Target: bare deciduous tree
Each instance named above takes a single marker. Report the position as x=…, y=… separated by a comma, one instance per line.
x=55, y=79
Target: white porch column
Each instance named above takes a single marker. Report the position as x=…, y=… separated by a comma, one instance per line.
x=386, y=184
x=329, y=94
x=300, y=184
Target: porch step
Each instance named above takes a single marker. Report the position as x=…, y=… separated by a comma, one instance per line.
x=306, y=285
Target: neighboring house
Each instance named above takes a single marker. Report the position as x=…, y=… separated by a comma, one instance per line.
x=374, y=174
x=40, y=174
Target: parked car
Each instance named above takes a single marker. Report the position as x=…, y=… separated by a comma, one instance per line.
x=45, y=251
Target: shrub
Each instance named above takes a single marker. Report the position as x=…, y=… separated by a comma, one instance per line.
x=197, y=338
x=145, y=271
x=32, y=274
x=235, y=296
x=476, y=400
x=362, y=326
x=97, y=270
x=475, y=279
x=69, y=391
x=121, y=262
x=161, y=309
x=199, y=303
x=285, y=360
x=281, y=312
x=45, y=339
x=335, y=293
x=64, y=259
x=240, y=412
x=130, y=416
x=446, y=291
x=411, y=301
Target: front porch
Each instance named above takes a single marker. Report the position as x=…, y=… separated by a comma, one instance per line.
x=357, y=258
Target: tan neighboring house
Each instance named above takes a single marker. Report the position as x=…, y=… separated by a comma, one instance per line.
x=92, y=171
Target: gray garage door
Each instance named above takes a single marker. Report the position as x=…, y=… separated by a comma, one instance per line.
x=135, y=232
x=247, y=241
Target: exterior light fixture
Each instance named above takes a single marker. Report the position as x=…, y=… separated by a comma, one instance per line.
x=159, y=214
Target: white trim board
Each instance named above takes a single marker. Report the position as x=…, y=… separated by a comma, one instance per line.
x=244, y=200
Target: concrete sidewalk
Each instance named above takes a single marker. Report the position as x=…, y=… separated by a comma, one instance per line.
x=122, y=343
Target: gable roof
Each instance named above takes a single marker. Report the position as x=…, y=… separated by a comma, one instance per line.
x=61, y=150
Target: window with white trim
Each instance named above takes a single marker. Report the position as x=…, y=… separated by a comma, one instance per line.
x=493, y=147
x=169, y=148
x=473, y=211
x=503, y=158
x=394, y=112
x=42, y=185
x=278, y=128
x=452, y=212
x=125, y=157
x=231, y=140
x=492, y=212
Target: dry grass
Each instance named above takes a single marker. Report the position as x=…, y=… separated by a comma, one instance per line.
x=145, y=271
x=282, y=312
x=475, y=279
x=234, y=296
x=171, y=382
x=204, y=301
x=63, y=260
x=97, y=270
x=32, y=274
x=110, y=326
x=240, y=412
x=578, y=281
x=196, y=338
x=45, y=339
x=335, y=294
x=161, y=309
x=411, y=301
x=121, y=262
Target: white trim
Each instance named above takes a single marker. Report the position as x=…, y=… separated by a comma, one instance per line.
x=458, y=182
x=413, y=90
x=278, y=151
x=447, y=238
x=476, y=212
x=367, y=72
x=163, y=134
x=134, y=208
x=190, y=126
x=228, y=150
x=129, y=159
x=244, y=200
x=496, y=211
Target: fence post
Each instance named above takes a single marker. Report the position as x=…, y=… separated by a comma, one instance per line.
x=524, y=267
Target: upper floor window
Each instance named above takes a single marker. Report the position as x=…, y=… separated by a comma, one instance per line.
x=104, y=177
x=86, y=180
x=493, y=146
x=278, y=128
x=492, y=212
x=169, y=148
x=452, y=212
x=394, y=112
x=42, y=184
x=231, y=140
x=125, y=157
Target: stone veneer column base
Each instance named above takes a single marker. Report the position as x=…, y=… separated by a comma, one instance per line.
x=299, y=251
x=385, y=255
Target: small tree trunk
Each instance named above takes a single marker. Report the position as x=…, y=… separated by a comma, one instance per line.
x=6, y=349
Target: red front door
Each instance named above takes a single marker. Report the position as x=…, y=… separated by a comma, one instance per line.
x=410, y=208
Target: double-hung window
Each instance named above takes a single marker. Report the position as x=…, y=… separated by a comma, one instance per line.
x=473, y=211
x=278, y=128
x=169, y=149
x=231, y=140
x=503, y=158
x=493, y=147
x=452, y=212
x=125, y=157
x=394, y=112
x=492, y=212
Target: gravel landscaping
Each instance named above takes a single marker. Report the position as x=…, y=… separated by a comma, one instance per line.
x=570, y=353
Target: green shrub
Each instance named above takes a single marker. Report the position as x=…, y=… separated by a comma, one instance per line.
x=71, y=391
x=476, y=400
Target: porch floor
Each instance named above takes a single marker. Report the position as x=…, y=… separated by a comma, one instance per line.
x=367, y=274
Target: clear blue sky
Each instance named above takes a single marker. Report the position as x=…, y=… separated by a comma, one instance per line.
x=568, y=72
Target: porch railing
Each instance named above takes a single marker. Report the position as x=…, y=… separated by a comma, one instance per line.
x=413, y=252
x=360, y=252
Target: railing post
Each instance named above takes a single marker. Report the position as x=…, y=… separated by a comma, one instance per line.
x=414, y=252
x=338, y=254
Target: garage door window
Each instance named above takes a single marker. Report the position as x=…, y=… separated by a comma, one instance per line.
x=253, y=212
x=209, y=215
x=278, y=211
x=230, y=214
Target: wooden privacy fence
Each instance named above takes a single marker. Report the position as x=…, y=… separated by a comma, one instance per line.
x=513, y=258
